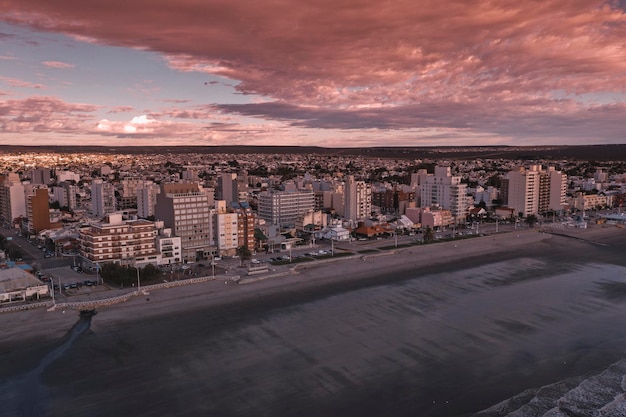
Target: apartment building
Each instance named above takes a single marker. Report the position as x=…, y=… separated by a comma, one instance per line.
x=357, y=199
x=102, y=198
x=12, y=198
x=226, y=229
x=444, y=190
x=185, y=208
x=283, y=208
x=128, y=242
x=246, y=222
x=65, y=194
x=147, y=198
x=532, y=191
x=37, y=209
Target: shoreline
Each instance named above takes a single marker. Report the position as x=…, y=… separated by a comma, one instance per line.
x=295, y=282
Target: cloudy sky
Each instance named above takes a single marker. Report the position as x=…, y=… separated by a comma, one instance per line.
x=312, y=72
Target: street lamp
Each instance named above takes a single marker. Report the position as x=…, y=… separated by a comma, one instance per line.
x=138, y=281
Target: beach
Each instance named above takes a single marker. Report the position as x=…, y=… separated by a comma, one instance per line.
x=173, y=337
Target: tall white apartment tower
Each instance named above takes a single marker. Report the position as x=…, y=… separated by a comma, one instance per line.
x=522, y=191
x=444, y=190
x=533, y=190
x=102, y=198
x=357, y=203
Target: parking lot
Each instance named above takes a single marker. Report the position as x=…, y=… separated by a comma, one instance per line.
x=68, y=282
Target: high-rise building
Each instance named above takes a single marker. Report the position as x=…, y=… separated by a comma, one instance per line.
x=37, y=210
x=146, y=199
x=226, y=230
x=357, y=199
x=532, y=191
x=283, y=208
x=245, y=225
x=102, y=198
x=227, y=189
x=65, y=194
x=12, y=198
x=185, y=208
x=41, y=176
x=444, y=190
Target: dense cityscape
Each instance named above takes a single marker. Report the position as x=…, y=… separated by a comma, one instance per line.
x=174, y=210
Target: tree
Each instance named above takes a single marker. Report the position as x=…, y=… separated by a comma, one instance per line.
x=149, y=273
x=244, y=254
x=429, y=235
x=531, y=219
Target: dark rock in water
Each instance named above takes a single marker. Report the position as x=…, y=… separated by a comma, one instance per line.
x=87, y=314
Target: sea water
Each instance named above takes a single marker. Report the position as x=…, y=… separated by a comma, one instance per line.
x=447, y=344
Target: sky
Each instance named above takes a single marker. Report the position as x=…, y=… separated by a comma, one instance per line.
x=353, y=73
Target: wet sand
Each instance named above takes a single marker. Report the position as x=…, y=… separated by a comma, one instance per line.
x=153, y=356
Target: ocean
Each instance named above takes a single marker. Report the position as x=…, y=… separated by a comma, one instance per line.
x=431, y=345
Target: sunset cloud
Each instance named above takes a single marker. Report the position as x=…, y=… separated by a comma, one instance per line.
x=14, y=82
x=43, y=114
x=57, y=64
x=531, y=69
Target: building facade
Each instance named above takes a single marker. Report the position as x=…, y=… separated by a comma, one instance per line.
x=130, y=242
x=102, y=198
x=444, y=190
x=284, y=208
x=185, y=209
x=357, y=200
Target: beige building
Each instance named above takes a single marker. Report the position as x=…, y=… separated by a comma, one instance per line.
x=357, y=202
x=533, y=190
x=591, y=201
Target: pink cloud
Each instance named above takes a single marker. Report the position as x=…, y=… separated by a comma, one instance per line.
x=58, y=65
x=43, y=114
x=366, y=64
x=121, y=109
x=14, y=82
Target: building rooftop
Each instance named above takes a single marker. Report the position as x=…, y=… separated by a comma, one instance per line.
x=13, y=279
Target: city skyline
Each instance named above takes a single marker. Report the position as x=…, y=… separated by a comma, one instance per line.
x=314, y=73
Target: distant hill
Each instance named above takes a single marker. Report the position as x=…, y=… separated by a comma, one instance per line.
x=583, y=152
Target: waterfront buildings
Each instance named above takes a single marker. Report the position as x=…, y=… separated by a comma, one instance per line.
x=531, y=191
x=185, y=208
x=226, y=229
x=444, y=190
x=284, y=208
x=357, y=200
x=127, y=242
